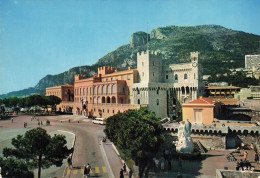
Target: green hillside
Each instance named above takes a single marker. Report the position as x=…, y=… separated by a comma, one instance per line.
x=220, y=49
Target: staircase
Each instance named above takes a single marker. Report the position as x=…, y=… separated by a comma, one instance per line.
x=198, y=146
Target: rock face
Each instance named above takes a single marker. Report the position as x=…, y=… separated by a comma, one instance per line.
x=185, y=142
x=139, y=39
x=65, y=77
x=158, y=34
x=220, y=48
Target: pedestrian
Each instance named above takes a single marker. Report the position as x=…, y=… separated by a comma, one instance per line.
x=121, y=173
x=245, y=155
x=69, y=120
x=256, y=157
x=69, y=161
x=85, y=174
x=124, y=167
x=156, y=161
x=162, y=160
x=130, y=173
x=252, y=146
x=88, y=169
x=12, y=120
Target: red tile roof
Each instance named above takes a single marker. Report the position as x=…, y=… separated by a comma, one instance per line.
x=202, y=101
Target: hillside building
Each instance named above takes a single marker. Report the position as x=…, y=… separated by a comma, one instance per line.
x=201, y=111
x=161, y=88
x=65, y=93
x=252, y=61
x=104, y=94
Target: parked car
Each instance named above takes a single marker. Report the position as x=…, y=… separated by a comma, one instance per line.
x=99, y=120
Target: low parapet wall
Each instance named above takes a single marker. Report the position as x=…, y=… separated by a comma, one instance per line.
x=221, y=173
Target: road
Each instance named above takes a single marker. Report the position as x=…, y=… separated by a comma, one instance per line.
x=87, y=142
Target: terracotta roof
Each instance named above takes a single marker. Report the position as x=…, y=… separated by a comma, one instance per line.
x=202, y=101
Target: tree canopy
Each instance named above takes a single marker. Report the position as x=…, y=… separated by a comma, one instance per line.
x=33, y=100
x=239, y=79
x=39, y=149
x=137, y=133
x=15, y=168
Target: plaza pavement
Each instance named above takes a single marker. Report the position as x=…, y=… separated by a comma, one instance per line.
x=205, y=168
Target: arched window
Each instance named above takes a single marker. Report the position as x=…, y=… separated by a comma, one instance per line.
x=109, y=88
x=99, y=100
x=83, y=91
x=138, y=91
x=99, y=90
x=185, y=76
x=138, y=101
x=80, y=91
x=187, y=90
x=95, y=90
x=104, y=89
x=113, y=99
x=94, y=100
x=176, y=77
x=157, y=101
x=114, y=88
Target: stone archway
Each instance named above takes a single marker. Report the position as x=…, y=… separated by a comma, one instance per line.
x=113, y=99
x=108, y=99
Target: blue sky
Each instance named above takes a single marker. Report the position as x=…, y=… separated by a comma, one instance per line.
x=40, y=37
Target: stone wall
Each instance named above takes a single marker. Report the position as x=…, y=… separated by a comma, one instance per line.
x=215, y=142
x=220, y=173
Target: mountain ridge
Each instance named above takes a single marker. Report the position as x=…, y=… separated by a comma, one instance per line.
x=220, y=49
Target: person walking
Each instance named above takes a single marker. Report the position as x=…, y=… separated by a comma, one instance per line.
x=256, y=158
x=121, y=173
x=162, y=160
x=12, y=120
x=70, y=161
x=124, y=167
x=156, y=162
x=85, y=173
x=245, y=155
x=130, y=173
x=86, y=170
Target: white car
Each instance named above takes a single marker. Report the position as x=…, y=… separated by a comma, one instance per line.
x=99, y=120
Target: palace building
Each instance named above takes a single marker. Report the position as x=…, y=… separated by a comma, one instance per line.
x=160, y=88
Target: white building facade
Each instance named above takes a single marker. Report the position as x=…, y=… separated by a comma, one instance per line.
x=163, y=88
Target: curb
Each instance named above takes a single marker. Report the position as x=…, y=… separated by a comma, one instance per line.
x=106, y=160
x=122, y=161
x=73, y=146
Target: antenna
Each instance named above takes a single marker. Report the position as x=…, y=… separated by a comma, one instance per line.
x=147, y=37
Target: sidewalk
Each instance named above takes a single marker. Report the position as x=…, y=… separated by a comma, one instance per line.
x=113, y=159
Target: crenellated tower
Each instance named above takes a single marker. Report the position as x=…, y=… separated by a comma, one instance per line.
x=149, y=65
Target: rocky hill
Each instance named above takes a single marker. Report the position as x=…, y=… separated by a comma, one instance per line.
x=220, y=49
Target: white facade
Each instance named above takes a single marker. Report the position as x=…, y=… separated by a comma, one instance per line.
x=164, y=88
x=252, y=61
